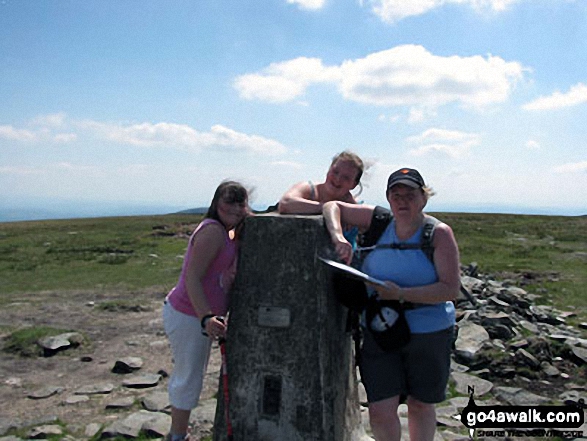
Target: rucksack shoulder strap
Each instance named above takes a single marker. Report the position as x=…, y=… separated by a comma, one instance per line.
x=430, y=223
x=379, y=222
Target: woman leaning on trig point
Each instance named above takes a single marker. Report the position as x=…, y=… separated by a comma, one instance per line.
x=420, y=369
x=194, y=309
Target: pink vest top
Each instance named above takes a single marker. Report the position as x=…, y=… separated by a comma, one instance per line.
x=216, y=282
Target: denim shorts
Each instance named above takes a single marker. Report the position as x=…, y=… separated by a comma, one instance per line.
x=420, y=369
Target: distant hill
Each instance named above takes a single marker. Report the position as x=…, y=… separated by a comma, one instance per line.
x=199, y=210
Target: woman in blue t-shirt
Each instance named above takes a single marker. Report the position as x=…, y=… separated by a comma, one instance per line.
x=420, y=369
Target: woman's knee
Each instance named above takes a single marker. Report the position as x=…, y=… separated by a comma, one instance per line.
x=417, y=407
x=382, y=411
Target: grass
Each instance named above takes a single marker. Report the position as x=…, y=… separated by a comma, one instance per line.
x=24, y=341
x=545, y=254
x=125, y=253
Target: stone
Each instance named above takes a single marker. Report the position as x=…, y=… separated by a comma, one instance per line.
x=549, y=369
x=95, y=389
x=53, y=344
x=156, y=402
x=470, y=339
x=579, y=355
x=46, y=431
x=121, y=403
x=127, y=365
x=464, y=381
x=75, y=399
x=152, y=423
x=142, y=381
x=524, y=357
x=45, y=392
x=515, y=396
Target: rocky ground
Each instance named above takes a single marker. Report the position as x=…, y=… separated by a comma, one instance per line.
x=512, y=351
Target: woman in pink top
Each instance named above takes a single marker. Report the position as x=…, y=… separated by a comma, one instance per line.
x=194, y=309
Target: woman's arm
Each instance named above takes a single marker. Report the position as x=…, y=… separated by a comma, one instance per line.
x=297, y=200
x=208, y=242
x=337, y=213
x=446, y=262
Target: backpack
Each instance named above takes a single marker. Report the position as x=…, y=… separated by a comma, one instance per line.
x=352, y=293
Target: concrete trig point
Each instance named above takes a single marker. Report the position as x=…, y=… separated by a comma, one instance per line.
x=290, y=366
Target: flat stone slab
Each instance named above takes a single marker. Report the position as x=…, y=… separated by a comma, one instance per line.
x=45, y=392
x=156, y=423
x=464, y=381
x=95, y=389
x=158, y=402
x=142, y=381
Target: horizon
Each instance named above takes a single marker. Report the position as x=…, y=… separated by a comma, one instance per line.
x=59, y=209
x=158, y=103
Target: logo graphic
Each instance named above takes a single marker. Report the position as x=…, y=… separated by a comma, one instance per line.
x=529, y=421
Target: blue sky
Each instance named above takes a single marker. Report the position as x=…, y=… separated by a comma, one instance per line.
x=156, y=102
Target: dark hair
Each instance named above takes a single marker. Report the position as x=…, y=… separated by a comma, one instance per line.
x=230, y=191
x=354, y=158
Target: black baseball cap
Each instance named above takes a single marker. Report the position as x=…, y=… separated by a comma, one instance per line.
x=406, y=176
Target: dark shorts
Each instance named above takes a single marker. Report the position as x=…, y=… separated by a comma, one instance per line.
x=420, y=369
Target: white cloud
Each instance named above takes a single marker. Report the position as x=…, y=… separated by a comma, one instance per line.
x=308, y=4
x=16, y=170
x=288, y=164
x=281, y=82
x=406, y=75
x=452, y=143
x=391, y=11
x=65, y=137
x=576, y=95
x=12, y=134
x=573, y=167
x=55, y=120
x=183, y=136
x=532, y=144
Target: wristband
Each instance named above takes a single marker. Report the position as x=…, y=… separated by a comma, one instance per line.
x=204, y=321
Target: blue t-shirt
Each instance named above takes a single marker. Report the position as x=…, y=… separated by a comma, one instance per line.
x=409, y=268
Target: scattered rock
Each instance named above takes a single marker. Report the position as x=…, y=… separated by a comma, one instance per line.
x=142, y=381
x=45, y=392
x=127, y=365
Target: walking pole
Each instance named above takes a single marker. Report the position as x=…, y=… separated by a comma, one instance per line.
x=222, y=343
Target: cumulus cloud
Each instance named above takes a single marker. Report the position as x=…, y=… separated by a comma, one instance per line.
x=452, y=143
x=312, y=5
x=183, y=136
x=285, y=81
x=162, y=134
x=12, y=134
x=576, y=95
x=573, y=167
x=406, y=75
x=392, y=11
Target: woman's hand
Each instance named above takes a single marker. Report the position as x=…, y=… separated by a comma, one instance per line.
x=343, y=249
x=216, y=327
x=390, y=291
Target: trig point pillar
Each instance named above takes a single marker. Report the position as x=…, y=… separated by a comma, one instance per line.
x=290, y=367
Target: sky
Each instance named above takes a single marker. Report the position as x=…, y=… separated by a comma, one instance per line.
x=154, y=103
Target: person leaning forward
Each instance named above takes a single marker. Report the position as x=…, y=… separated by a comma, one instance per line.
x=420, y=369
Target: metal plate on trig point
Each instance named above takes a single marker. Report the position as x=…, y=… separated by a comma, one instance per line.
x=273, y=317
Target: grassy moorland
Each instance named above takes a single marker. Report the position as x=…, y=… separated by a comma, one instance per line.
x=544, y=254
